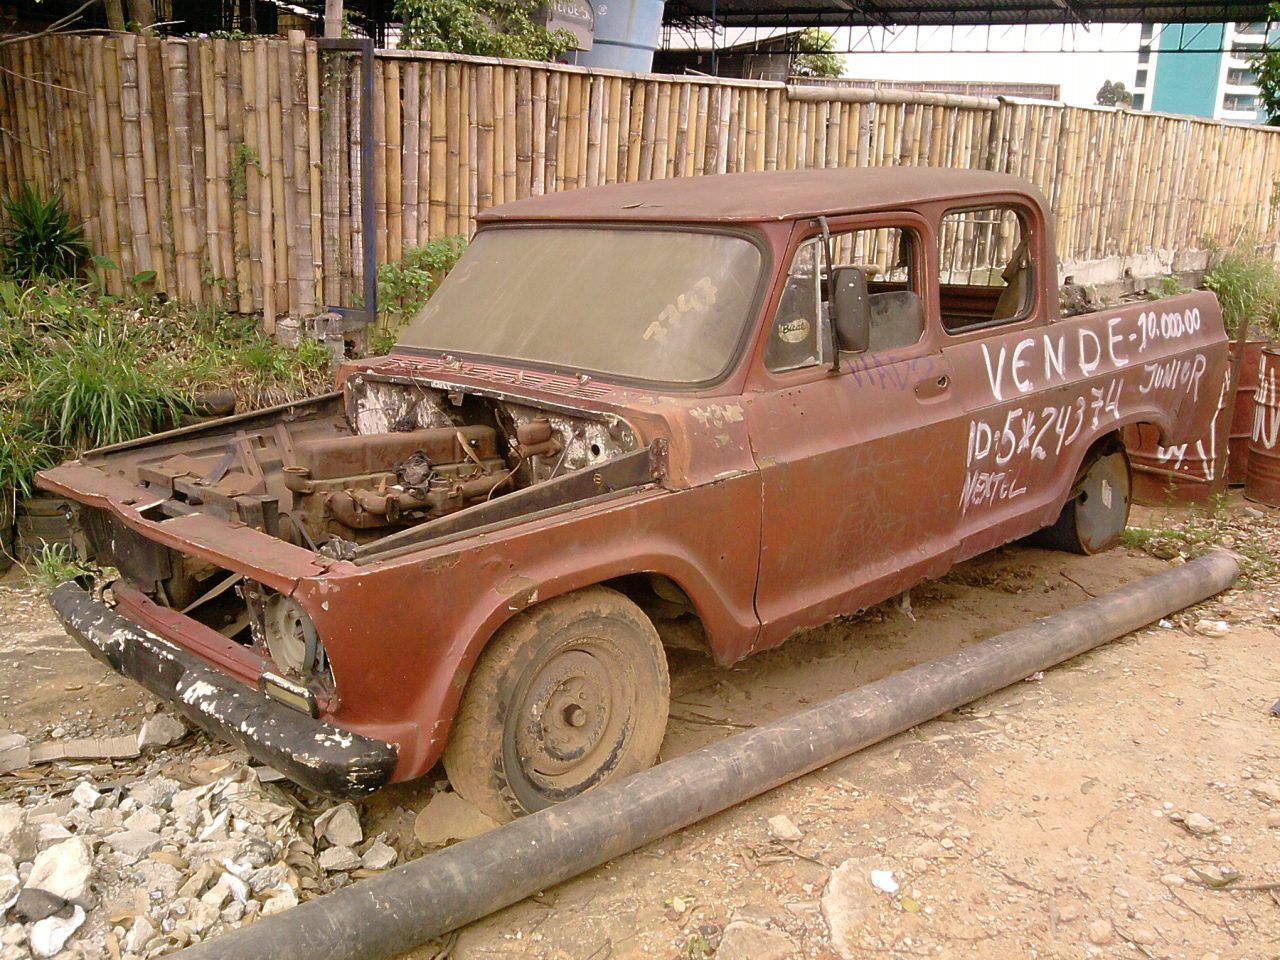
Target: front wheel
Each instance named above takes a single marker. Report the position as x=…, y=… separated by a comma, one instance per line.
x=569, y=694
x=1094, y=517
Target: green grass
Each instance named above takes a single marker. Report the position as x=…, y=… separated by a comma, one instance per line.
x=79, y=369
x=56, y=563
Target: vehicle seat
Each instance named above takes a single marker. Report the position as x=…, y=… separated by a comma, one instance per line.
x=897, y=319
x=1017, y=278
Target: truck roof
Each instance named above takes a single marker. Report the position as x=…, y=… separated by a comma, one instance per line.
x=777, y=195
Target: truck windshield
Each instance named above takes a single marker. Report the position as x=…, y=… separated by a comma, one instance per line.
x=658, y=305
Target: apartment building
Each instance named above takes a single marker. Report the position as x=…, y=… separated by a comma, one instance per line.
x=1200, y=69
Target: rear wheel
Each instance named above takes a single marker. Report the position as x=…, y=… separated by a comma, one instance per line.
x=569, y=694
x=1095, y=516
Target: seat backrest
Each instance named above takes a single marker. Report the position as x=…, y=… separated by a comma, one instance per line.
x=1017, y=277
x=897, y=319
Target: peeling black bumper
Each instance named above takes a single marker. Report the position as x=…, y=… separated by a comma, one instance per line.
x=315, y=754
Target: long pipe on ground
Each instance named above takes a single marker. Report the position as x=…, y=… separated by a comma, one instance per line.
x=398, y=910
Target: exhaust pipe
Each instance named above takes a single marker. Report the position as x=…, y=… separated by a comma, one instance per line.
x=396, y=911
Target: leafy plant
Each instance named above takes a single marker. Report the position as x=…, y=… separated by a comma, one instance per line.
x=39, y=239
x=1166, y=286
x=1247, y=284
x=1266, y=66
x=1113, y=95
x=405, y=286
x=817, y=57
x=487, y=28
x=56, y=563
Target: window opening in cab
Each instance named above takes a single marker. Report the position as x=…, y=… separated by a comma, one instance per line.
x=655, y=305
x=985, y=275
x=890, y=259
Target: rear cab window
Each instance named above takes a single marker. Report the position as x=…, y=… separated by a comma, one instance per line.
x=986, y=275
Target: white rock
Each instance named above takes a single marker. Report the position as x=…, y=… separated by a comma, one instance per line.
x=883, y=881
x=782, y=828
x=340, y=825
x=10, y=887
x=84, y=795
x=750, y=941
x=1212, y=628
x=14, y=752
x=140, y=934
x=1200, y=825
x=846, y=906
x=51, y=834
x=50, y=935
x=203, y=916
x=144, y=819
x=284, y=899
x=134, y=844
x=379, y=856
x=63, y=870
x=334, y=859
x=17, y=836
x=161, y=730
x=217, y=895
x=161, y=792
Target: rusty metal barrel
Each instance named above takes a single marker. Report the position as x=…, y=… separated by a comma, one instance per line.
x=1242, y=411
x=1262, y=481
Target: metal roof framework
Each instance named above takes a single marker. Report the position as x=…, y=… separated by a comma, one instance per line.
x=925, y=13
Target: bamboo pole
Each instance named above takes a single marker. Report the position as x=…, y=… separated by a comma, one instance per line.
x=391, y=169
x=510, y=135
x=411, y=84
x=538, y=166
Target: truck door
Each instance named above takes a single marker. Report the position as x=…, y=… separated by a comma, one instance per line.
x=1025, y=417
x=860, y=468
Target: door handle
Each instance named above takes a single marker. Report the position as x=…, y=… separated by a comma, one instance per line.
x=933, y=388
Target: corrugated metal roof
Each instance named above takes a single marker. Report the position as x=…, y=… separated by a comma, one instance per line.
x=745, y=197
x=804, y=13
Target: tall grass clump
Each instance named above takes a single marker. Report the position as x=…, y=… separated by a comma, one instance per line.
x=39, y=239
x=1247, y=284
x=97, y=386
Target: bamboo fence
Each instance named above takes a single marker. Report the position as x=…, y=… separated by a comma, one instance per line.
x=232, y=168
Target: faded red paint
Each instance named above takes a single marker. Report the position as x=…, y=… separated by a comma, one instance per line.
x=789, y=498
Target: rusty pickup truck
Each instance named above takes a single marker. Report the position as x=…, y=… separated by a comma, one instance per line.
x=706, y=412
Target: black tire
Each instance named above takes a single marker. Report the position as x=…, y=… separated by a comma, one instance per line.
x=1094, y=517
x=569, y=694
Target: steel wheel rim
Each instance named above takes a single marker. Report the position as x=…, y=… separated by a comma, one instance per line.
x=574, y=716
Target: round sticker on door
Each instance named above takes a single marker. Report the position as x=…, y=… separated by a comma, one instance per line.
x=794, y=331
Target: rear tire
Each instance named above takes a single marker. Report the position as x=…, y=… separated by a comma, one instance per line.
x=569, y=694
x=1094, y=518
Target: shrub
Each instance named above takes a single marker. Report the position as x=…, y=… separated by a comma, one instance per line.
x=1248, y=287
x=405, y=286
x=38, y=239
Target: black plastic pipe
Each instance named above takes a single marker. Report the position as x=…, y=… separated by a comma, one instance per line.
x=398, y=910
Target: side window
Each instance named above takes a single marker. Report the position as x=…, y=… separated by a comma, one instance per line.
x=985, y=269
x=890, y=256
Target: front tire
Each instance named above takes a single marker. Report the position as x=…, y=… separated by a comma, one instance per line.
x=1094, y=518
x=569, y=694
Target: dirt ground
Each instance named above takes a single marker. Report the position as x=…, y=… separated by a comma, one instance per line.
x=1125, y=804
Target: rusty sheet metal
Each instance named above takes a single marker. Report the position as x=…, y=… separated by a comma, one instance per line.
x=1262, y=483
x=753, y=197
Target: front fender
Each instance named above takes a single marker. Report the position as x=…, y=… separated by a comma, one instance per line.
x=403, y=636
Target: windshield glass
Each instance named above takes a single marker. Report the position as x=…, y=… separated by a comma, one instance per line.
x=660, y=305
